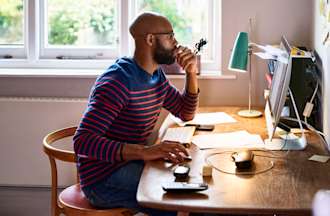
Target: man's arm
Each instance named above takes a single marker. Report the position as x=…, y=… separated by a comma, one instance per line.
x=172, y=151
x=107, y=100
x=90, y=140
x=184, y=105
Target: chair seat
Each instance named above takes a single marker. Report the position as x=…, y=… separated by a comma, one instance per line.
x=73, y=198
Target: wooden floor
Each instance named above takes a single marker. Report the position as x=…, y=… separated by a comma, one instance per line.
x=24, y=201
x=31, y=201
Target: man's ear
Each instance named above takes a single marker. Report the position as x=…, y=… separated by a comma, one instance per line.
x=150, y=39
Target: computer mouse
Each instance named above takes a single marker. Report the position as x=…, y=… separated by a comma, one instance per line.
x=243, y=159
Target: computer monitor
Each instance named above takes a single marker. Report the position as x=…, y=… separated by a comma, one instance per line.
x=277, y=96
x=279, y=87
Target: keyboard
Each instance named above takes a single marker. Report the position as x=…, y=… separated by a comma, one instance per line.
x=179, y=134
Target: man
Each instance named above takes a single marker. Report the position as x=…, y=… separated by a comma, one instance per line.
x=123, y=107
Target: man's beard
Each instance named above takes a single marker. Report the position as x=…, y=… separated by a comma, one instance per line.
x=163, y=55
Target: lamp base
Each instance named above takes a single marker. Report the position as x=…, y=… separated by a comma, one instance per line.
x=249, y=113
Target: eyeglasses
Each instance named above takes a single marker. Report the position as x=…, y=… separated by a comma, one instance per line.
x=170, y=35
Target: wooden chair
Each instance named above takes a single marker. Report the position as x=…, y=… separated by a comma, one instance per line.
x=71, y=201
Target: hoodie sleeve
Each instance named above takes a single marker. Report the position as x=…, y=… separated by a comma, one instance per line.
x=182, y=105
x=106, y=101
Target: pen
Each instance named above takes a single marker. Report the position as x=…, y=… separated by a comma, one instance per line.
x=198, y=46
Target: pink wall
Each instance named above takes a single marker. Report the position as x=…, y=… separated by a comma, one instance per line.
x=271, y=20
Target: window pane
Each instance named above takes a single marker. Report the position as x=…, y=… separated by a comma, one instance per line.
x=188, y=17
x=11, y=22
x=83, y=23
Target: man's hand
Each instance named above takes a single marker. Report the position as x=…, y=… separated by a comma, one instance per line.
x=187, y=60
x=172, y=151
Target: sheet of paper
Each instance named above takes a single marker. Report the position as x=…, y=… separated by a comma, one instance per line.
x=264, y=55
x=319, y=158
x=237, y=139
x=283, y=59
x=273, y=50
x=207, y=118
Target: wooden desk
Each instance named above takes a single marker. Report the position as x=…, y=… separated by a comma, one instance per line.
x=288, y=188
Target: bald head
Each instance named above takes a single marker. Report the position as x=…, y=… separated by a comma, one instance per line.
x=149, y=23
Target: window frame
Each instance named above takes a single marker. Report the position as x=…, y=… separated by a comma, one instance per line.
x=34, y=55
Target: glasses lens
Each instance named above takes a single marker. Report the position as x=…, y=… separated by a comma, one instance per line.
x=169, y=35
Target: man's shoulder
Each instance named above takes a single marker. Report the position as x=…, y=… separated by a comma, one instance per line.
x=120, y=70
x=112, y=77
x=123, y=68
x=124, y=62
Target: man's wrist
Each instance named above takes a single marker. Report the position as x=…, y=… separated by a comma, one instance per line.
x=133, y=152
x=191, y=83
x=192, y=73
x=140, y=152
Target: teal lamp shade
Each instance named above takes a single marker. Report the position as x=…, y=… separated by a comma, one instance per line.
x=239, y=56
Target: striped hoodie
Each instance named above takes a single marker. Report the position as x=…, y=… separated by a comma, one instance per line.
x=123, y=107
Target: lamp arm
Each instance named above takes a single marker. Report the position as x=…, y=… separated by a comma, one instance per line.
x=251, y=44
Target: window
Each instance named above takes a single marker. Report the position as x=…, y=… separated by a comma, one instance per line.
x=12, y=28
x=89, y=33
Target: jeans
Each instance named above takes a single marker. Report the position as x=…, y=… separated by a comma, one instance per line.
x=119, y=190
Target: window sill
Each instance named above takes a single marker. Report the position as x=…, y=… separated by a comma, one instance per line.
x=88, y=73
x=49, y=73
x=206, y=75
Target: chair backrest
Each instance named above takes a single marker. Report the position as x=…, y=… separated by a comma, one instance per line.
x=79, y=206
x=59, y=154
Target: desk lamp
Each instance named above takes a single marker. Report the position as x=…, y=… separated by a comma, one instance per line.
x=240, y=56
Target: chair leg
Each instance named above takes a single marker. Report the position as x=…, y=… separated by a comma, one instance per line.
x=183, y=214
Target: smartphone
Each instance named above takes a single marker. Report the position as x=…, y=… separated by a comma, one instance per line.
x=202, y=127
x=184, y=187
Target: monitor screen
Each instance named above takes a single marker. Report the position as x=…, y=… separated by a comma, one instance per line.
x=278, y=77
x=279, y=87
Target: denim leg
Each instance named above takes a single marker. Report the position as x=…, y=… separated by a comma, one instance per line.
x=119, y=190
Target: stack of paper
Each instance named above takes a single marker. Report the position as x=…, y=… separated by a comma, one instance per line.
x=237, y=139
x=207, y=119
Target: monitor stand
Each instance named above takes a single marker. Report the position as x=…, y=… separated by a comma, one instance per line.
x=288, y=142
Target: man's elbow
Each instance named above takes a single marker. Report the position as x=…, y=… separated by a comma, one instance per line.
x=188, y=117
x=78, y=139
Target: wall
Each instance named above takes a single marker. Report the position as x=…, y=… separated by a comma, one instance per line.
x=271, y=19
x=324, y=52
x=24, y=123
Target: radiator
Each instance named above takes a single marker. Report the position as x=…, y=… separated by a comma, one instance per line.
x=23, y=123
